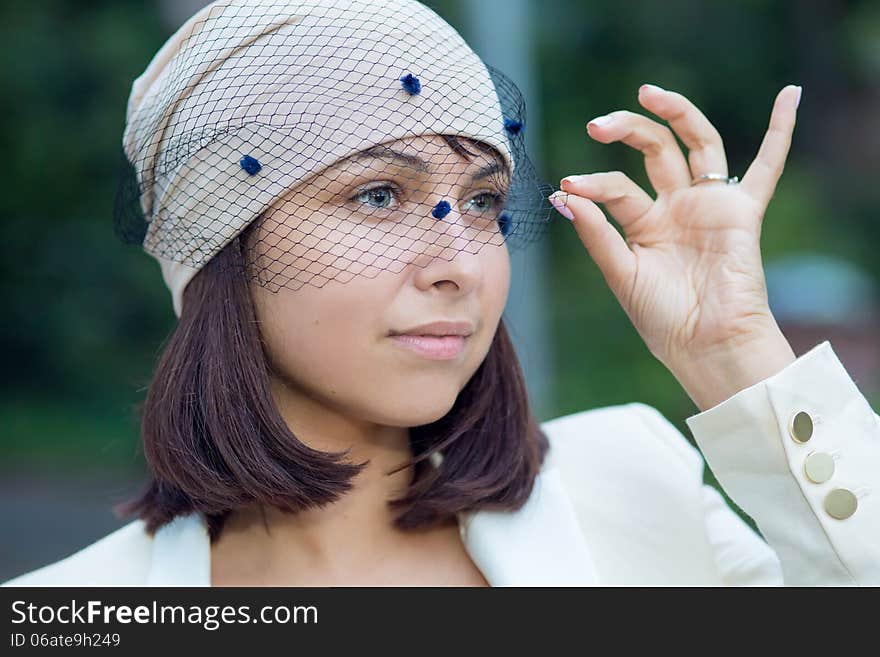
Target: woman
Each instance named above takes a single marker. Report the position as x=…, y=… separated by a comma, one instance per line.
x=331, y=189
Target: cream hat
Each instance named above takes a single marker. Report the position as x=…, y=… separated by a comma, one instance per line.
x=249, y=97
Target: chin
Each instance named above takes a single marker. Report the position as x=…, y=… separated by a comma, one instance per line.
x=418, y=410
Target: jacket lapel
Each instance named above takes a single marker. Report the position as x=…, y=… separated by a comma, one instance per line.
x=181, y=553
x=540, y=544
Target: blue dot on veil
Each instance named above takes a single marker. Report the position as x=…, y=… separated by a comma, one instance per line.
x=441, y=210
x=251, y=165
x=505, y=221
x=411, y=84
x=513, y=126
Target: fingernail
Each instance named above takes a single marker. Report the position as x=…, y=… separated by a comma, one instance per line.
x=571, y=179
x=559, y=204
x=652, y=87
x=601, y=120
x=798, y=101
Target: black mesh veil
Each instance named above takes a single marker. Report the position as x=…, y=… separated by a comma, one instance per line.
x=349, y=137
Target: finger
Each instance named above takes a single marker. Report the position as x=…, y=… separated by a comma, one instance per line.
x=667, y=169
x=604, y=244
x=623, y=199
x=763, y=174
x=704, y=144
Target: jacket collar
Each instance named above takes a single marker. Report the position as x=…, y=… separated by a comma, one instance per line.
x=540, y=544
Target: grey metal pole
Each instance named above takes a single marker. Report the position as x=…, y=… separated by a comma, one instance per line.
x=500, y=32
x=176, y=12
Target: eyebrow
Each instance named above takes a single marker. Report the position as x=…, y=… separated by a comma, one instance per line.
x=413, y=161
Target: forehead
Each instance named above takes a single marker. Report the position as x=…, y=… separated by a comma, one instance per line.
x=432, y=154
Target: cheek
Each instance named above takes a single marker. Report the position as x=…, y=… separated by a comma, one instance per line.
x=317, y=318
x=321, y=339
x=329, y=347
x=496, y=286
x=493, y=298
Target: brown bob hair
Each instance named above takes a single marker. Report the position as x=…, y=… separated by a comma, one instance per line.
x=214, y=440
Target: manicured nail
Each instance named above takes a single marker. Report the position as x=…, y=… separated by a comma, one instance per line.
x=652, y=87
x=571, y=179
x=559, y=204
x=601, y=120
x=798, y=101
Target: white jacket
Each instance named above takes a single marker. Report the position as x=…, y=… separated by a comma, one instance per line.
x=621, y=501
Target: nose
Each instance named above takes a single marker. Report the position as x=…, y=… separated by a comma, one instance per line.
x=457, y=264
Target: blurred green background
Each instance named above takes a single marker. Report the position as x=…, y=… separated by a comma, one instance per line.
x=86, y=316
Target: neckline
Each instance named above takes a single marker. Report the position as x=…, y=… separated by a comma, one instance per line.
x=539, y=544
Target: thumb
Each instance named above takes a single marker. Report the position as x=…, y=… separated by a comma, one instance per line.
x=604, y=244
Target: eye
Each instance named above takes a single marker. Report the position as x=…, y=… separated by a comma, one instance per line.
x=486, y=201
x=379, y=197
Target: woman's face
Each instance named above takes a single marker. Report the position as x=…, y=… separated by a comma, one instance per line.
x=353, y=255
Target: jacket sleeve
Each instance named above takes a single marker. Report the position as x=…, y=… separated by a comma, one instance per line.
x=799, y=452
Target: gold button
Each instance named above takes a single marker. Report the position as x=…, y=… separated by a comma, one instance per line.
x=841, y=503
x=819, y=467
x=801, y=427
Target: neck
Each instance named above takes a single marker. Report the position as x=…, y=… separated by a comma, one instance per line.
x=351, y=534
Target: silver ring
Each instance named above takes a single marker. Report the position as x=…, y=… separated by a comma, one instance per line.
x=708, y=177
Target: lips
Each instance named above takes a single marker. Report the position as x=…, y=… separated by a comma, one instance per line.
x=440, y=340
x=434, y=347
x=440, y=329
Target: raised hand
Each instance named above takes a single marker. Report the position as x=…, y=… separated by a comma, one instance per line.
x=688, y=269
